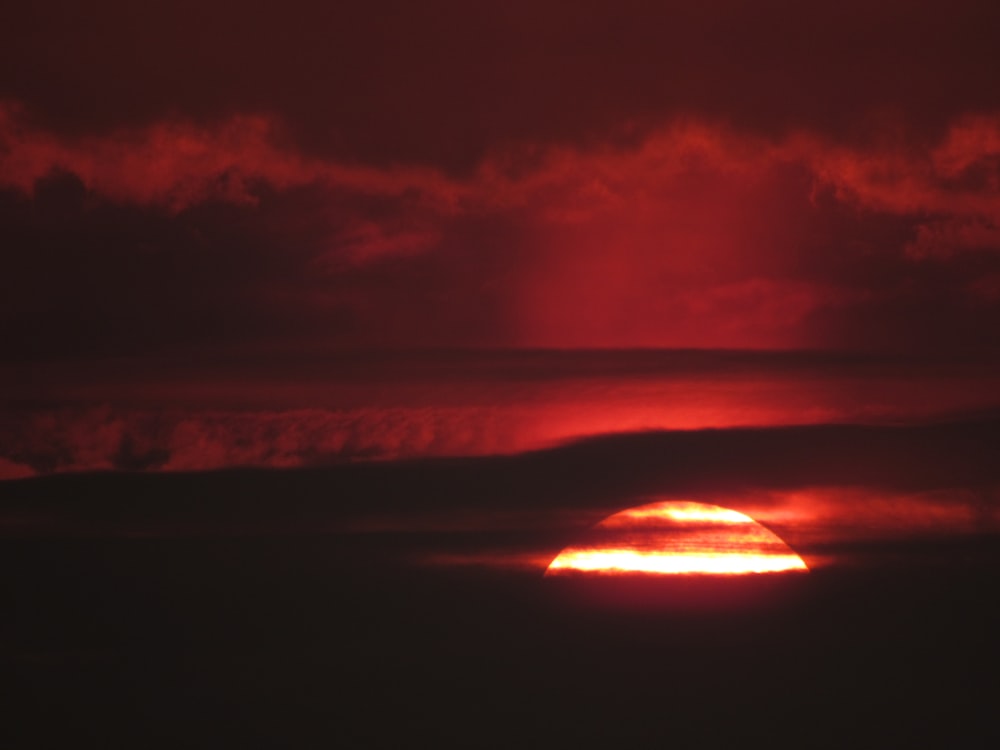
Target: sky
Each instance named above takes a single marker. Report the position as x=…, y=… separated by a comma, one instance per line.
x=325, y=326
x=208, y=212
x=734, y=175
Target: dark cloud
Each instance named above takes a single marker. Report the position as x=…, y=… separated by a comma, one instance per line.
x=694, y=236
x=852, y=491
x=89, y=276
x=280, y=410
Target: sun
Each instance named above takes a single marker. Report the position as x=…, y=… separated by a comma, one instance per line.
x=678, y=538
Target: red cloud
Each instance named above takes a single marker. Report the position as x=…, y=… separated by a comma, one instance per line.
x=175, y=164
x=14, y=470
x=952, y=189
x=410, y=409
x=696, y=236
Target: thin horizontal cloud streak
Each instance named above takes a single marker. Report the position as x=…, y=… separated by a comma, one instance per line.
x=400, y=407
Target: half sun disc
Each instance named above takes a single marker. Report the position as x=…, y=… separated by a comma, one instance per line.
x=678, y=538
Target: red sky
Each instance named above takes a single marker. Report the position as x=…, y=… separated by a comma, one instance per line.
x=290, y=178
x=744, y=175
x=330, y=322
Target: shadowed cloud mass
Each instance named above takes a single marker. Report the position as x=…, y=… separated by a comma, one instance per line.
x=695, y=235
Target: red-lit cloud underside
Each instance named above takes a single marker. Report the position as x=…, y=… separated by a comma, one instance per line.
x=210, y=416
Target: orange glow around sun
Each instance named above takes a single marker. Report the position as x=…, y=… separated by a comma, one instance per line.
x=674, y=537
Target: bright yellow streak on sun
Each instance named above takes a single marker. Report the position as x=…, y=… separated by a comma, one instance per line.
x=674, y=538
x=677, y=511
x=630, y=561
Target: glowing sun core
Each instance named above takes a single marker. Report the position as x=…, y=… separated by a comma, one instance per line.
x=671, y=538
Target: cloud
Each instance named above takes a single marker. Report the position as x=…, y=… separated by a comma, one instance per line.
x=829, y=525
x=175, y=164
x=386, y=408
x=13, y=470
x=848, y=493
x=692, y=234
x=952, y=189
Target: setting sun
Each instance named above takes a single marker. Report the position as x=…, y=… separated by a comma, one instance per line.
x=670, y=538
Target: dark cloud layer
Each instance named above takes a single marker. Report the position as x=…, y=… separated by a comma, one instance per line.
x=288, y=409
x=848, y=491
